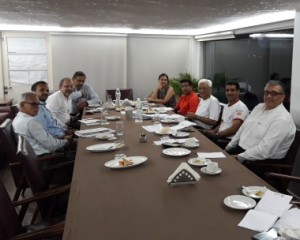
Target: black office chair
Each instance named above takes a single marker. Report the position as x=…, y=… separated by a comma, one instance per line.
x=125, y=93
x=11, y=222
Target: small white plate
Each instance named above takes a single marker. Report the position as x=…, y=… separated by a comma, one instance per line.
x=163, y=131
x=137, y=160
x=104, y=136
x=112, y=118
x=176, y=152
x=204, y=170
x=239, y=202
x=195, y=145
x=103, y=147
x=256, y=192
x=199, y=162
x=168, y=120
x=180, y=134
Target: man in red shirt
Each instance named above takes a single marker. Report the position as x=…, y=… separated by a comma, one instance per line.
x=189, y=100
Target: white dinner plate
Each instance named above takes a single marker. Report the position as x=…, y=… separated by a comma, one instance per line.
x=137, y=160
x=112, y=118
x=168, y=120
x=195, y=145
x=199, y=162
x=104, y=136
x=254, y=191
x=180, y=134
x=204, y=170
x=176, y=152
x=239, y=202
x=103, y=147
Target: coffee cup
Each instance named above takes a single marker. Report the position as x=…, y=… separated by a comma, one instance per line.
x=212, y=167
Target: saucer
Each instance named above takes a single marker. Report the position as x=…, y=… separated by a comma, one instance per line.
x=194, y=145
x=204, y=170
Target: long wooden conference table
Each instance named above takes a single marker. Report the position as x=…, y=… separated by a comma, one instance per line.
x=137, y=203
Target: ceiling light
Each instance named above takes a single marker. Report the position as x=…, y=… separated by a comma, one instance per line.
x=271, y=35
x=215, y=36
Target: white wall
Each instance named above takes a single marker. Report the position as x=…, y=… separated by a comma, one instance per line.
x=295, y=89
x=150, y=56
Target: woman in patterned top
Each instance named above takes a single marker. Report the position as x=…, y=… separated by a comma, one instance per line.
x=163, y=93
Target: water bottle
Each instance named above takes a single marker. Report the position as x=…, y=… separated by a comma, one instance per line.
x=138, y=103
x=118, y=97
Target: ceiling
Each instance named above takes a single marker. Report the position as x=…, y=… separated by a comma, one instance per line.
x=136, y=14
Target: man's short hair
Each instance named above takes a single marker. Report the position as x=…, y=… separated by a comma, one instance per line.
x=276, y=83
x=34, y=86
x=235, y=83
x=61, y=82
x=24, y=96
x=78, y=74
x=188, y=81
x=206, y=81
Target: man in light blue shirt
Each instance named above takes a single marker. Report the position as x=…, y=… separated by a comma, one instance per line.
x=44, y=116
x=89, y=96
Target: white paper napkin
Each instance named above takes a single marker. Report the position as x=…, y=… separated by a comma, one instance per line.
x=187, y=168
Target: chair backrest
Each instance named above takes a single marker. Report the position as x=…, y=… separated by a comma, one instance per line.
x=293, y=150
x=9, y=220
x=33, y=171
x=294, y=186
x=125, y=93
x=220, y=117
x=9, y=137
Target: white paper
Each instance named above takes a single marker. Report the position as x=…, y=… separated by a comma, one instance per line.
x=258, y=221
x=181, y=140
x=89, y=121
x=211, y=155
x=274, y=203
x=289, y=219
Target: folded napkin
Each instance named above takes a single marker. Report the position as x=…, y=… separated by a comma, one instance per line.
x=184, y=174
x=92, y=132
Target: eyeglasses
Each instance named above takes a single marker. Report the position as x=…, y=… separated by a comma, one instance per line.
x=33, y=104
x=272, y=93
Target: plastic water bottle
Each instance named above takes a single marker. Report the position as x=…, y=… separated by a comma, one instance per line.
x=118, y=97
x=138, y=103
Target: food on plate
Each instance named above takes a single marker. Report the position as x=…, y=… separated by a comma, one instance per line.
x=149, y=111
x=125, y=162
x=165, y=130
x=199, y=161
x=120, y=109
x=259, y=193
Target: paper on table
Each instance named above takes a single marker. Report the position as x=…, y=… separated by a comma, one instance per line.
x=289, y=219
x=181, y=140
x=211, y=155
x=274, y=203
x=258, y=221
x=89, y=120
x=182, y=125
x=270, y=207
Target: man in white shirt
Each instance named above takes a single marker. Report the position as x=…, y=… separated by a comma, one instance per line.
x=60, y=104
x=207, y=113
x=26, y=125
x=269, y=130
x=89, y=96
x=233, y=116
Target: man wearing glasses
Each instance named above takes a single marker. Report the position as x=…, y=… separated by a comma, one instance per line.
x=26, y=125
x=269, y=130
x=189, y=100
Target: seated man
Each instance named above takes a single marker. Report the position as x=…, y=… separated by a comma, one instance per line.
x=89, y=96
x=269, y=130
x=44, y=116
x=208, y=110
x=26, y=125
x=234, y=114
x=189, y=100
x=60, y=104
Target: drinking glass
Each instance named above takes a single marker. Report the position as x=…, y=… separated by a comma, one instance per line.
x=103, y=120
x=119, y=128
x=120, y=145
